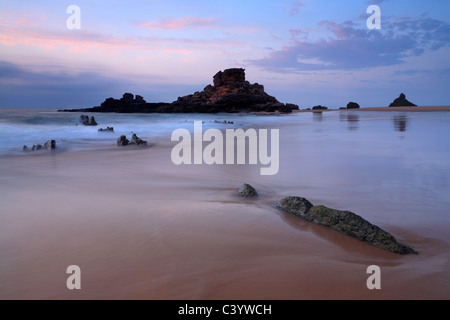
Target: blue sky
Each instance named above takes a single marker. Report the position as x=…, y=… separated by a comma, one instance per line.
x=304, y=52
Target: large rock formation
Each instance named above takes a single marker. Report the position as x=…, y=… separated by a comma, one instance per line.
x=402, y=102
x=345, y=222
x=230, y=92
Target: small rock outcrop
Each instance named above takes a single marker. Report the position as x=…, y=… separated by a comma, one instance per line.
x=108, y=129
x=122, y=141
x=402, y=102
x=135, y=140
x=49, y=145
x=247, y=191
x=86, y=121
x=319, y=107
x=353, y=105
x=345, y=222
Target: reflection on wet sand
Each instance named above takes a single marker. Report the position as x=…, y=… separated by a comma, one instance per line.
x=318, y=116
x=400, y=123
x=353, y=121
x=351, y=118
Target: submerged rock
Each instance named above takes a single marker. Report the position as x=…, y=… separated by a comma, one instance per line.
x=108, y=129
x=247, y=191
x=402, y=102
x=345, y=222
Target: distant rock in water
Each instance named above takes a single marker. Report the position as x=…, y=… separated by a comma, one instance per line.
x=247, y=191
x=85, y=120
x=135, y=140
x=353, y=105
x=345, y=222
x=108, y=129
x=122, y=141
x=230, y=93
x=49, y=145
x=402, y=102
x=319, y=107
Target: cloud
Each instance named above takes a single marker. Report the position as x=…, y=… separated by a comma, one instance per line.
x=348, y=47
x=182, y=23
x=294, y=9
x=376, y=1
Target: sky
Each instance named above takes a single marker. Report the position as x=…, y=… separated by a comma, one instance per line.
x=304, y=52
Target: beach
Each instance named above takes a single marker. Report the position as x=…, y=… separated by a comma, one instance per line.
x=140, y=227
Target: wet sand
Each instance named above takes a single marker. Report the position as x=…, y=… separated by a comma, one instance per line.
x=140, y=227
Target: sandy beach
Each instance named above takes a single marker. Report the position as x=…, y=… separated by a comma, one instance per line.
x=140, y=227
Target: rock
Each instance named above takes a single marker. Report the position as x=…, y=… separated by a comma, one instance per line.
x=353, y=105
x=137, y=141
x=319, y=107
x=231, y=93
x=229, y=76
x=88, y=122
x=93, y=122
x=295, y=205
x=84, y=120
x=36, y=147
x=345, y=222
x=108, y=129
x=247, y=191
x=402, y=102
x=127, y=97
x=122, y=141
x=50, y=145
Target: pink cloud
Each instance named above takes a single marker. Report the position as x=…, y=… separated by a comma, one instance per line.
x=174, y=24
